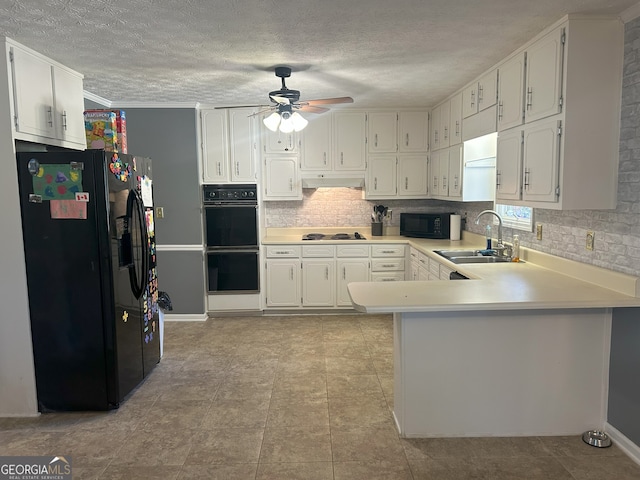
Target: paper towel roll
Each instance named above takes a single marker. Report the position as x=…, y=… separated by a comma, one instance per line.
x=454, y=227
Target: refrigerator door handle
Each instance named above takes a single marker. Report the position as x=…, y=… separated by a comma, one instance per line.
x=138, y=279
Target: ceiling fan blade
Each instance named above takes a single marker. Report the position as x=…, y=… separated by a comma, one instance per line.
x=260, y=112
x=311, y=109
x=283, y=100
x=241, y=106
x=328, y=101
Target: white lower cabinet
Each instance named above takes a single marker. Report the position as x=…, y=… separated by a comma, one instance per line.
x=282, y=276
x=316, y=275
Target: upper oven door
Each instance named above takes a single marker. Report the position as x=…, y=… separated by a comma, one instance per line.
x=231, y=226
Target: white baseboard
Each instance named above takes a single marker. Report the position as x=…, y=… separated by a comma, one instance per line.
x=185, y=317
x=627, y=446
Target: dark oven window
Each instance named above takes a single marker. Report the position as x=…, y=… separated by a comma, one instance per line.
x=231, y=226
x=232, y=271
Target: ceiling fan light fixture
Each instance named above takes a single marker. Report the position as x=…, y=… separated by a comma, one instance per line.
x=299, y=122
x=286, y=123
x=272, y=121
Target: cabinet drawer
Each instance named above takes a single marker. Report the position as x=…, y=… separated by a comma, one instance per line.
x=387, y=264
x=352, y=250
x=423, y=260
x=283, y=251
x=387, y=250
x=319, y=251
x=387, y=276
x=434, y=267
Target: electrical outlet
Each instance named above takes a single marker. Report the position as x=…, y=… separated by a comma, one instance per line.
x=590, y=239
x=538, y=231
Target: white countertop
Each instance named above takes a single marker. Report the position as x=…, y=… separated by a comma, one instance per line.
x=540, y=282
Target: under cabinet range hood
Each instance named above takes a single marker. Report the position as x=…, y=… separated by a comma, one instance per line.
x=323, y=181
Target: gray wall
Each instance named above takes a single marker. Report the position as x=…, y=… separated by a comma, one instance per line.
x=624, y=387
x=169, y=137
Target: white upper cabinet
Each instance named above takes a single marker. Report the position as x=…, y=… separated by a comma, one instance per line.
x=278, y=142
x=382, y=130
x=565, y=155
x=349, y=140
x=488, y=90
x=480, y=95
x=412, y=176
x=543, y=95
x=382, y=176
x=228, y=146
x=435, y=128
x=444, y=130
x=510, y=92
x=455, y=119
x=48, y=99
x=455, y=172
x=281, y=178
x=413, y=132
x=316, y=144
x=509, y=165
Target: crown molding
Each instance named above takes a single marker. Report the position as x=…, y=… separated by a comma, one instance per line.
x=96, y=98
x=631, y=13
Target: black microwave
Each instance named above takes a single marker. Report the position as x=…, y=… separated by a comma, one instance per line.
x=425, y=225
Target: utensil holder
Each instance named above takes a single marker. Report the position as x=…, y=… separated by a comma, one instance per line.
x=376, y=229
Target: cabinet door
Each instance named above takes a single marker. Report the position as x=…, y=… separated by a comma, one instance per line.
x=413, y=130
x=283, y=283
x=443, y=171
x=509, y=164
x=511, y=93
x=470, y=100
x=540, y=160
x=278, y=142
x=69, y=101
x=487, y=90
x=241, y=146
x=350, y=140
x=544, y=76
x=412, y=176
x=316, y=142
x=455, y=171
x=215, y=146
x=282, y=179
x=445, y=117
x=434, y=173
x=383, y=128
x=435, y=128
x=351, y=270
x=381, y=176
x=455, y=120
x=318, y=283
x=33, y=85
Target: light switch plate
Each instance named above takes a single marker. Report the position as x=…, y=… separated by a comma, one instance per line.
x=538, y=231
x=159, y=212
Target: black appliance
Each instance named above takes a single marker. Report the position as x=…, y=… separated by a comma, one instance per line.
x=231, y=235
x=333, y=236
x=89, y=242
x=425, y=225
x=457, y=276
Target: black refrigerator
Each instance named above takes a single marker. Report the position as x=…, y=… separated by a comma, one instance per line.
x=89, y=242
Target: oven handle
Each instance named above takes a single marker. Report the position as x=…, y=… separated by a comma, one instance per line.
x=249, y=249
x=232, y=205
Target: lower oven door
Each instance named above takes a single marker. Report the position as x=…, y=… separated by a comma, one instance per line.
x=233, y=271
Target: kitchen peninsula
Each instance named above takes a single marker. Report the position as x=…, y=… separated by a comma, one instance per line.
x=518, y=349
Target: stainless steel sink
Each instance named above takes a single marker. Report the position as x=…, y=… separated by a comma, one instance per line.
x=470, y=256
x=479, y=259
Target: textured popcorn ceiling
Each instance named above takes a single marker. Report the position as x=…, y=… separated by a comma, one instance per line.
x=380, y=52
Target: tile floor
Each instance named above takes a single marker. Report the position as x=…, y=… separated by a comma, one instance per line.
x=291, y=397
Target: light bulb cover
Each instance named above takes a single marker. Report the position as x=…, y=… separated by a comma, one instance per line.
x=286, y=124
x=299, y=122
x=272, y=121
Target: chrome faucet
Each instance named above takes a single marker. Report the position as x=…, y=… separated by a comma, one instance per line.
x=500, y=246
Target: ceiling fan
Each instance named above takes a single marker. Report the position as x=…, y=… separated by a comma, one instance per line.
x=286, y=104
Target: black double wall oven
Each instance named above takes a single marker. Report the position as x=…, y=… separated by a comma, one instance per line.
x=231, y=235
